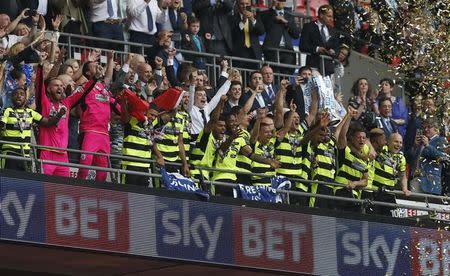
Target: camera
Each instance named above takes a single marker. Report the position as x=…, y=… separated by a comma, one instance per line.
x=31, y=13
x=248, y=8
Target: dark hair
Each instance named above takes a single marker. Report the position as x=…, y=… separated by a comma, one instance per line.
x=63, y=68
x=355, y=127
x=356, y=84
x=193, y=20
x=324, y=9
x=49, y=80
x=17, y=72
x=346, y=47
x=388, y=80
x=304, y=68
x=381, y=100
x=235, y=110
x=223, y=117
x=85, y=69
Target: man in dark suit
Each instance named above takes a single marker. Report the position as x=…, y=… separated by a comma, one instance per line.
x=280, y=28
x=385, y=120
x=214, y=16
x=246, y=29
x=269, y=86
x=256, y=86
x=297, y=91
x=319, y=38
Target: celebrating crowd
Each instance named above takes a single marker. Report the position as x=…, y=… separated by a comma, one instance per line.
x=162, y=107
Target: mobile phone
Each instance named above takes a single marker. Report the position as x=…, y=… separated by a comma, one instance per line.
x=419, y=132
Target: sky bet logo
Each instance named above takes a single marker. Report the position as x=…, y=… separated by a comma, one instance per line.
x=193, y=230
x=22, y=212
x=372, y=248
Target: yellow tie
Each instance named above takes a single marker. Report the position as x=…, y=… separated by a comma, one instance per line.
x=247, y=34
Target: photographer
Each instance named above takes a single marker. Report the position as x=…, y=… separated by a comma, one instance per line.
x=430, y=151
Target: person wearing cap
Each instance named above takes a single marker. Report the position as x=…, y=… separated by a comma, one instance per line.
x=281, y=29
x=319, y=38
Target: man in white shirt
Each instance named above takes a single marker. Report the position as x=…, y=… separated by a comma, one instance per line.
x=106, y=23
x=143, y=16
x=199, y=107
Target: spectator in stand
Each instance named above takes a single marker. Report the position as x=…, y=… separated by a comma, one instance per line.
x=246, y=29
x=361, y=90
x=385, y=120
x=199, y=107
x=5, y=19
x=234, y=94
x=215, y=24
x=192, y=41
x=22, y=30
x=299, y=93
x=269, y=86
x=262, y=98
x=177, y=22
x=7, y=40
x=106, y=23
x=319, y=38
x=95, y=115
x=280, y=30
x=143, y=16
x=431, y=150
x=340, y=62
x=399, y=109
x=16, y=126
x=74, y=21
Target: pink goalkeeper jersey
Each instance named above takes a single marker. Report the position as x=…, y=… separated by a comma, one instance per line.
x=95, y=117
x=58, y=135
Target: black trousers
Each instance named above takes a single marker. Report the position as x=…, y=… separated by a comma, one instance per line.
x=141, y=38
x=224, y=190
x=138, y=180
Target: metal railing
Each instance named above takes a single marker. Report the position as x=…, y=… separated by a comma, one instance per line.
x=212, y=60
x=117, y=172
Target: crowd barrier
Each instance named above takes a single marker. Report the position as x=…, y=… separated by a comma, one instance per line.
x=150, y=223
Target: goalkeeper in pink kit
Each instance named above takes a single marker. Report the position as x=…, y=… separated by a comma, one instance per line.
x=96, y=107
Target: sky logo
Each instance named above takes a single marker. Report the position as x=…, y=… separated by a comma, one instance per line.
x=372, y=248
x=193, y=230
x=22, y=210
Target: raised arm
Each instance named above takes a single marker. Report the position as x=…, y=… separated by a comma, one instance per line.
x=342, y=138
x=279, y=104
x=109, y=67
